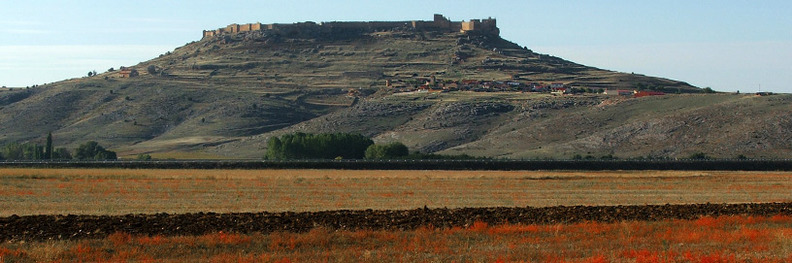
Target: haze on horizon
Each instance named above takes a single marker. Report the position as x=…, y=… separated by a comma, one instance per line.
x=726, y=45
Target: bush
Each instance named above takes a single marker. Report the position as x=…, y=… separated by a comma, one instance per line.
x=699, y=156
x=61, y=153
x=93, y=151
x=152, y=70
x=392, y=150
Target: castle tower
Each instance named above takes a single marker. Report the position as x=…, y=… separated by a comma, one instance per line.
x=441, y=22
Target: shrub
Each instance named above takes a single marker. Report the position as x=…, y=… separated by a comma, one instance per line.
x=61, y=153
x=698, y=156
x=93, y=151
x=152, y=70
x=392, y=150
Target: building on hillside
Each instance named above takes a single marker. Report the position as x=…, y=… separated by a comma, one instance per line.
x=480, y=25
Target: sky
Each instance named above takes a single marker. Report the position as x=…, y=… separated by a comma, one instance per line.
x=727, y=45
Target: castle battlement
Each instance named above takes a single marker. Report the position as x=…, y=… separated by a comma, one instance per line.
x=440, y=23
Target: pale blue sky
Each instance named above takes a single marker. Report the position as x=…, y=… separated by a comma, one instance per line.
x=726, y=45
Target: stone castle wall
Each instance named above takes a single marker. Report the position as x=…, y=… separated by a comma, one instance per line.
x=439, y=23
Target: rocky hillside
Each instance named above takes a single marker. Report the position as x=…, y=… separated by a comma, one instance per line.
x=223, y=97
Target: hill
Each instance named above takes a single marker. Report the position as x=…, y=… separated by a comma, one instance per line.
x=224, y=95
x=525, y=125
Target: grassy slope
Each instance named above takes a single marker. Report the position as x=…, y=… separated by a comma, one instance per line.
x=539, y=126
x=721, y=125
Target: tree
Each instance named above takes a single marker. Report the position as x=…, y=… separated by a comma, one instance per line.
x=61, y=154
x=48, y=150
x=32, y=152
x=708, y=90
x=93, y=151
x=274, y=149
x=392, y=150
x=13, y=151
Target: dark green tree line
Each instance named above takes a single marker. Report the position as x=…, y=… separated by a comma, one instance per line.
x=318, y=146
x=31, y=151
x=24, y=151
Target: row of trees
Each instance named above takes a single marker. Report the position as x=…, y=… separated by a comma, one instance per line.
x=341, y=146
x=31, y=151
x=317, y=146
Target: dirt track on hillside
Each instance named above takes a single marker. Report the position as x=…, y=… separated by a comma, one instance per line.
x=44, y=227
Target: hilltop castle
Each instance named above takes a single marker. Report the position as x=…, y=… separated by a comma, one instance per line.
x=440, y=23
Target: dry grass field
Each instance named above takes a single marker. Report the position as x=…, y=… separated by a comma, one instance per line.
x=119, y=191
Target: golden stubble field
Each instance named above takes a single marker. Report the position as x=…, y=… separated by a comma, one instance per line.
x=124, y=191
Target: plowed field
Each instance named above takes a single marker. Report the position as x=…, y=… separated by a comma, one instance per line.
x=75, y=227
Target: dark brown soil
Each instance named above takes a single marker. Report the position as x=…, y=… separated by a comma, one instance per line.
x=44, y=227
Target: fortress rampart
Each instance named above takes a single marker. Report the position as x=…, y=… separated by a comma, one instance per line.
x=440, y=23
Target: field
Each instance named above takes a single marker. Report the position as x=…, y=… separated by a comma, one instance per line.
x=717, y=238
x=708, y=239
x=118, y=191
